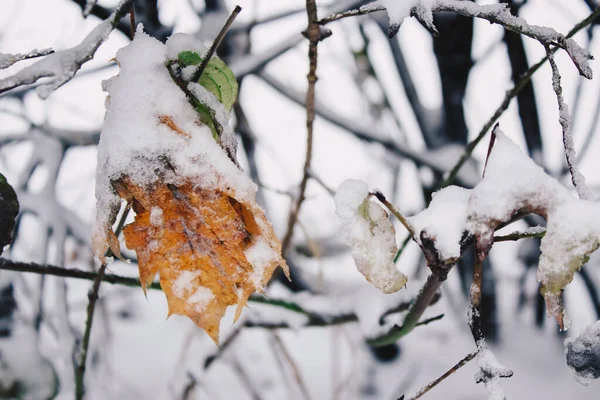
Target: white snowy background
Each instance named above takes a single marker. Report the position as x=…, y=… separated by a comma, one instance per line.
x=138, y=353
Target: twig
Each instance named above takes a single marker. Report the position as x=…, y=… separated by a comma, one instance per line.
x=215, y=44
x=405, y=243
x=475, y=297
x=511, y=94
x=6, y=60
x=93, y=296
x=363, y=10
x=314, y=319
x=446, y=374
x=565, y=122
x=89, y=5
x=293, y=365
x=415, y=312
x=519, y=235
x=314, y=35
x=132, y=20
x=395, y=211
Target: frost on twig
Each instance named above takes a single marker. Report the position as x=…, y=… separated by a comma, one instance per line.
x=490, y=371
x=62, y=66
x=6, y=60
x=370, y=234
x=565, y=122
x=583, y=354
x=495, y=13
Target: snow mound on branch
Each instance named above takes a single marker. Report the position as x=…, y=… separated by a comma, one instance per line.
x=371, y=235
x=444, y=221
x=400, y=9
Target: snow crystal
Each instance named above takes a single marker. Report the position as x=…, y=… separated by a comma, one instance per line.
x=583, y=354
x=134, y=142
x=183, y=283
x=156, y=216
x=444, y=220
x=200, y=298
x=371, y=235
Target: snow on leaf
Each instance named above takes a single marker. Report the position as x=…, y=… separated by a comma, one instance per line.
x=197, y=223
x=370, y=234
x=583, y=354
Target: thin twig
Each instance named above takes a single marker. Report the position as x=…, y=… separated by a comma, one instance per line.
x=215, y=44
x=423, y=300
x=446, y=374
x=295, y=370
x=518, y=236
x=511, y=94
x=6, y=60
x=475, y=298
x=313, y=33
x=93, y=296
x=363, y=10
x=565, y=122
x=132, y=20
x=395, y=211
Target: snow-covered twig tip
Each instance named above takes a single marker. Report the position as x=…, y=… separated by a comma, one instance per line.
x=6, y=60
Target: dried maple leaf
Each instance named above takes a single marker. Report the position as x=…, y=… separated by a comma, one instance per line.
x=197, y=222
x=210, y=250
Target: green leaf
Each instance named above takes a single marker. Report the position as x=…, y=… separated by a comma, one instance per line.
x=9, y=209
x=187, y=58
x=217, y=77
x=207, y=116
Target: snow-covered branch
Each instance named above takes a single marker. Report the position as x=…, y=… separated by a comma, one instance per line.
x=495, y=13
x=62, y=66
x=6, y=60
x=565, y=122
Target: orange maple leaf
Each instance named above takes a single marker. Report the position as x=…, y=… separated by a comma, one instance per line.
x=210, y=250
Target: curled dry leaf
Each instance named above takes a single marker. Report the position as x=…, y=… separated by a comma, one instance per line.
x=197, y=222
x=370, y=234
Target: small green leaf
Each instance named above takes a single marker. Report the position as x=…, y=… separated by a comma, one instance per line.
x=218, y=79
x=187, y=58
x=9, y=209
x=207, y=116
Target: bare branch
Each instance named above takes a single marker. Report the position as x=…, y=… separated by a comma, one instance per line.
x=315, y=35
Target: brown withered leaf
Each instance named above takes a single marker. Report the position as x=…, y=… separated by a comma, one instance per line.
x=199, y=242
